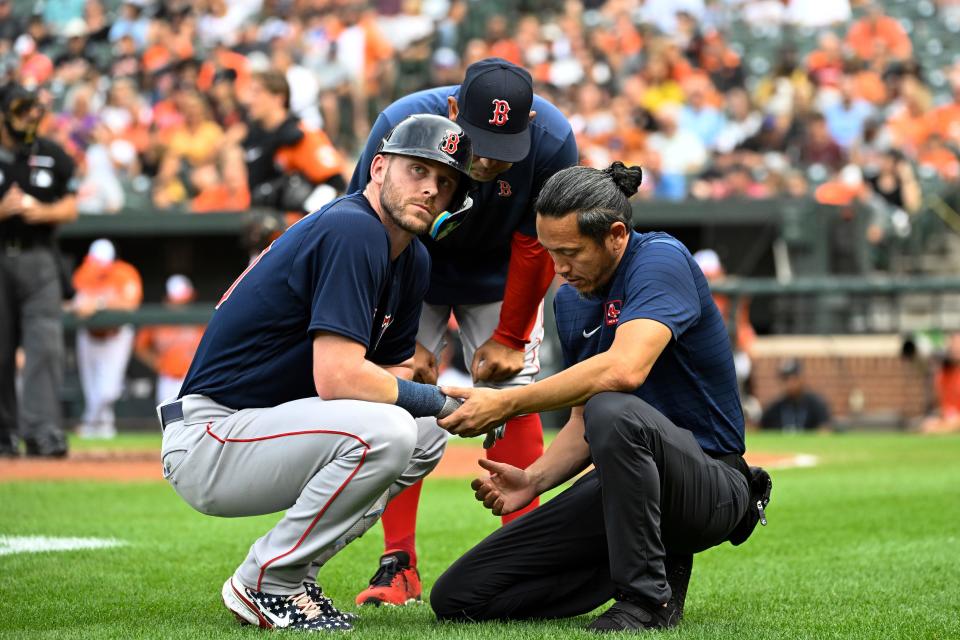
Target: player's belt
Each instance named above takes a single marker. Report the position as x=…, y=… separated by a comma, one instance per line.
x=172, y=412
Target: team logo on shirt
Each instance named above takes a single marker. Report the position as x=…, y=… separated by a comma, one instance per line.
x=450, y=142
x=613, y=312
x=387, y=321
x=42, y=178
x=505, y=190
x=500, y=110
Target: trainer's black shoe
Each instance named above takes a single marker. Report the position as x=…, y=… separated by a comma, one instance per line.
x=625, y=615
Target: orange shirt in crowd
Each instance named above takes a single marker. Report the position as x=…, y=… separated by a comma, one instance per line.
x=314, y=156
x=864, y=37
x=173, y=345
x=836, y=193
x=221, y=197
x=509, y=50
x=118, y=283
x=940, y=158
x=377, y=50
x=909, y=131
x=945, y=120
x=869, y=86
x=948, y=391
x=225, y=59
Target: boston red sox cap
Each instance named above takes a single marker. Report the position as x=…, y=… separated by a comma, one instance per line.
x=495, y=100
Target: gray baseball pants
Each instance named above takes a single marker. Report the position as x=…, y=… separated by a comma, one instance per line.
x=331, y=464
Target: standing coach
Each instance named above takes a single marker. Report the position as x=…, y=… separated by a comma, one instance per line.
x=489, y=271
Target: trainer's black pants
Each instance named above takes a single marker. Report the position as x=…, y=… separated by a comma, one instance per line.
x=654, y=492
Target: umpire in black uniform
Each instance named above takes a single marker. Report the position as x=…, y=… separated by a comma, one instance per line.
x=36, y=194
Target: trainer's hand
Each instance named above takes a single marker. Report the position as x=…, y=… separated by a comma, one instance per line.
x=425, y=367
x=483, y=410
x=505, y=490
x=494, y=362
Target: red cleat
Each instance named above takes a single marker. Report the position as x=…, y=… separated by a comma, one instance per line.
x=395, y=583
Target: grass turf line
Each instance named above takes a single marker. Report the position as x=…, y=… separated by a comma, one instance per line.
x=865, y=545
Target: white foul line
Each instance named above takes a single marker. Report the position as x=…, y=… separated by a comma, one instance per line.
x=40, y=544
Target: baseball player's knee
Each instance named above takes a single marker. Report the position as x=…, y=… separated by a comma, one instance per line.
x=397, y=439
x=431, y=442
x=610, y=418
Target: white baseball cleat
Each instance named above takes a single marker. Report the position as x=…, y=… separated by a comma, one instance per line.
x=270, y=611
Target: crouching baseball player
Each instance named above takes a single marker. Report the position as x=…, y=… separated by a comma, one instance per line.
x=300, y=394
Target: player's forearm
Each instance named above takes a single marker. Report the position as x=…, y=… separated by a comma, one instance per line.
x=574, y=386
x=567, y=456
x=360, y=381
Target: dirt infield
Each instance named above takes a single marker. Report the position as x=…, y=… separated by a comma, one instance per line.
x=114, y=465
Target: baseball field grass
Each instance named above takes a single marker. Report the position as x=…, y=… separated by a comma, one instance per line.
x=864, y=544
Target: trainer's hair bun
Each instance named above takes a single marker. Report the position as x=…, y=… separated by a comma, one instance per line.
x=628, y=179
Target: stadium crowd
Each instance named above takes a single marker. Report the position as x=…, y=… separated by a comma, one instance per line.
x=157, y=100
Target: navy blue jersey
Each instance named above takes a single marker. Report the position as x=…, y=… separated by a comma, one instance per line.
x=470, y=264
x=329, y=272
x=693, y=382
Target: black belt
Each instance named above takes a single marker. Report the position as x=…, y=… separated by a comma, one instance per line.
x=19, y=243
x=172, y=412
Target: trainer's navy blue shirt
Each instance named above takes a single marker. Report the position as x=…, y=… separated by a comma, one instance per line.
x=329, y=272
x=693, y=382
x=470, y=264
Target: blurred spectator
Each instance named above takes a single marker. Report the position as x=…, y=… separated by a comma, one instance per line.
x=819, y=147
x=132, y=22
x=736, y=317
x=304, y=88
x=168, y=349
x=798, y=409
x=35, y=67
x=909, y=123
x=74, y=127
x=11, y=25
x=681, y=154
x=935, y=154
x=125, y=61
x=663, y=13
x=741, y=122
x=895, y=182
x=103, y=283
x=847, y=116
x=817, y=13
x=947, y=389
x=700, y=118
x=60, y=13
x=286, y=161
x=100, y=190
x=878, y=35
x=662, y=90
x=222, y=186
